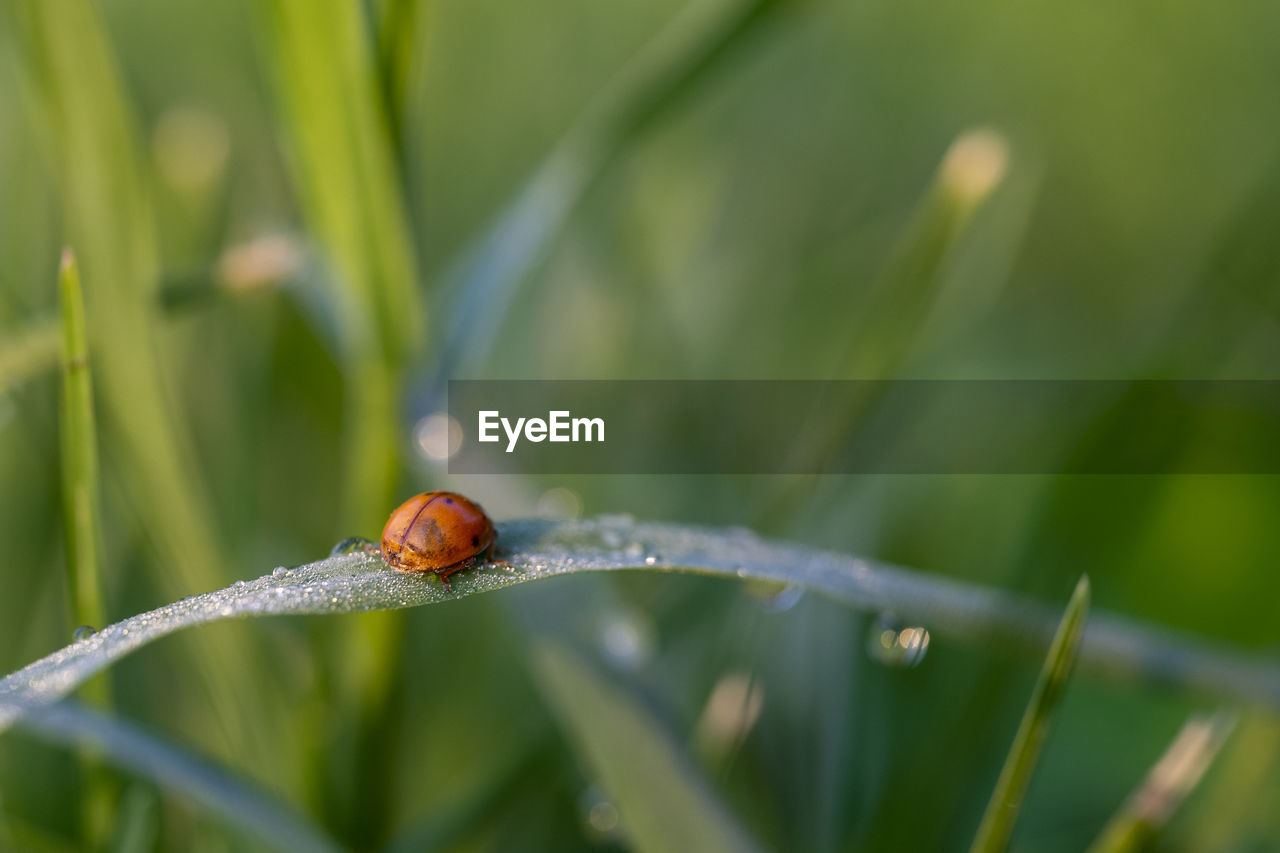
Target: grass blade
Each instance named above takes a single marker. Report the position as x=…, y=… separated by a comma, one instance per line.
x=663, y=803
x=348, y=583
x=346, y=177
x=79, y=454
x=241, y=803
x=901, y=300
x=80, y=509
x=79, y=96
x=997, y=824
x=1167, y=785
x=64, y=49
x=346, y=173
x=399, y=54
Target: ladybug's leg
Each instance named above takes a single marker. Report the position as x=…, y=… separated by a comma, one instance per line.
x=444, y=573
x=489, y=554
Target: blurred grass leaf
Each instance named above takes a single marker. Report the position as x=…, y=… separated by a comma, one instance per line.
x=399, y=54
x=253, y=809
x=64, y=50
x=361, y=581
x=1002, y=811
x=66, y=56
x=345, y=172
x=662, y=802
x=1166, y=786
x=483, y=281
x=346, y=177
x=900, y=301
x=28, y=352
x=137, y=820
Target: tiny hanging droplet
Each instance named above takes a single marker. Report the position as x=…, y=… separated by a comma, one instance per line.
x=600, y=816
x=892, y=643
x=352, y=545
x=84, y=632
x=774, y=597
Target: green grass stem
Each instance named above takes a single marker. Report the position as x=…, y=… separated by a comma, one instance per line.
x=1011, y=787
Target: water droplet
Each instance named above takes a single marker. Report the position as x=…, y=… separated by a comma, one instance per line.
x=650, y=560
x=84, y=632
x=559, y=504
x=600, y=815
x=281, y=571
x=439, y=436
x=892, y=643
x=352, y=545
x=774, y=596
x=603, y=817
x=784, y=599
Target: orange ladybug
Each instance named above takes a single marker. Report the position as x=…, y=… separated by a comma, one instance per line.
x=439, y=532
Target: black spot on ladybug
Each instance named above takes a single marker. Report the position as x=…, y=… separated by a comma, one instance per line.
x=475, y=541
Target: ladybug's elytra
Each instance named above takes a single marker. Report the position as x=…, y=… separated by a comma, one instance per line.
x=439, y=532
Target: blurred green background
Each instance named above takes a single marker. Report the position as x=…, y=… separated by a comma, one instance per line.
x=294, y=219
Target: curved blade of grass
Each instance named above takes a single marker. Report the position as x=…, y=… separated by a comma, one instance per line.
x=997, y=824
x=1167, y=785
x=661, y=799
x=241, y=803
x=543, y=549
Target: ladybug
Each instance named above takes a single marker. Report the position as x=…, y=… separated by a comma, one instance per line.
x=439, y=532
